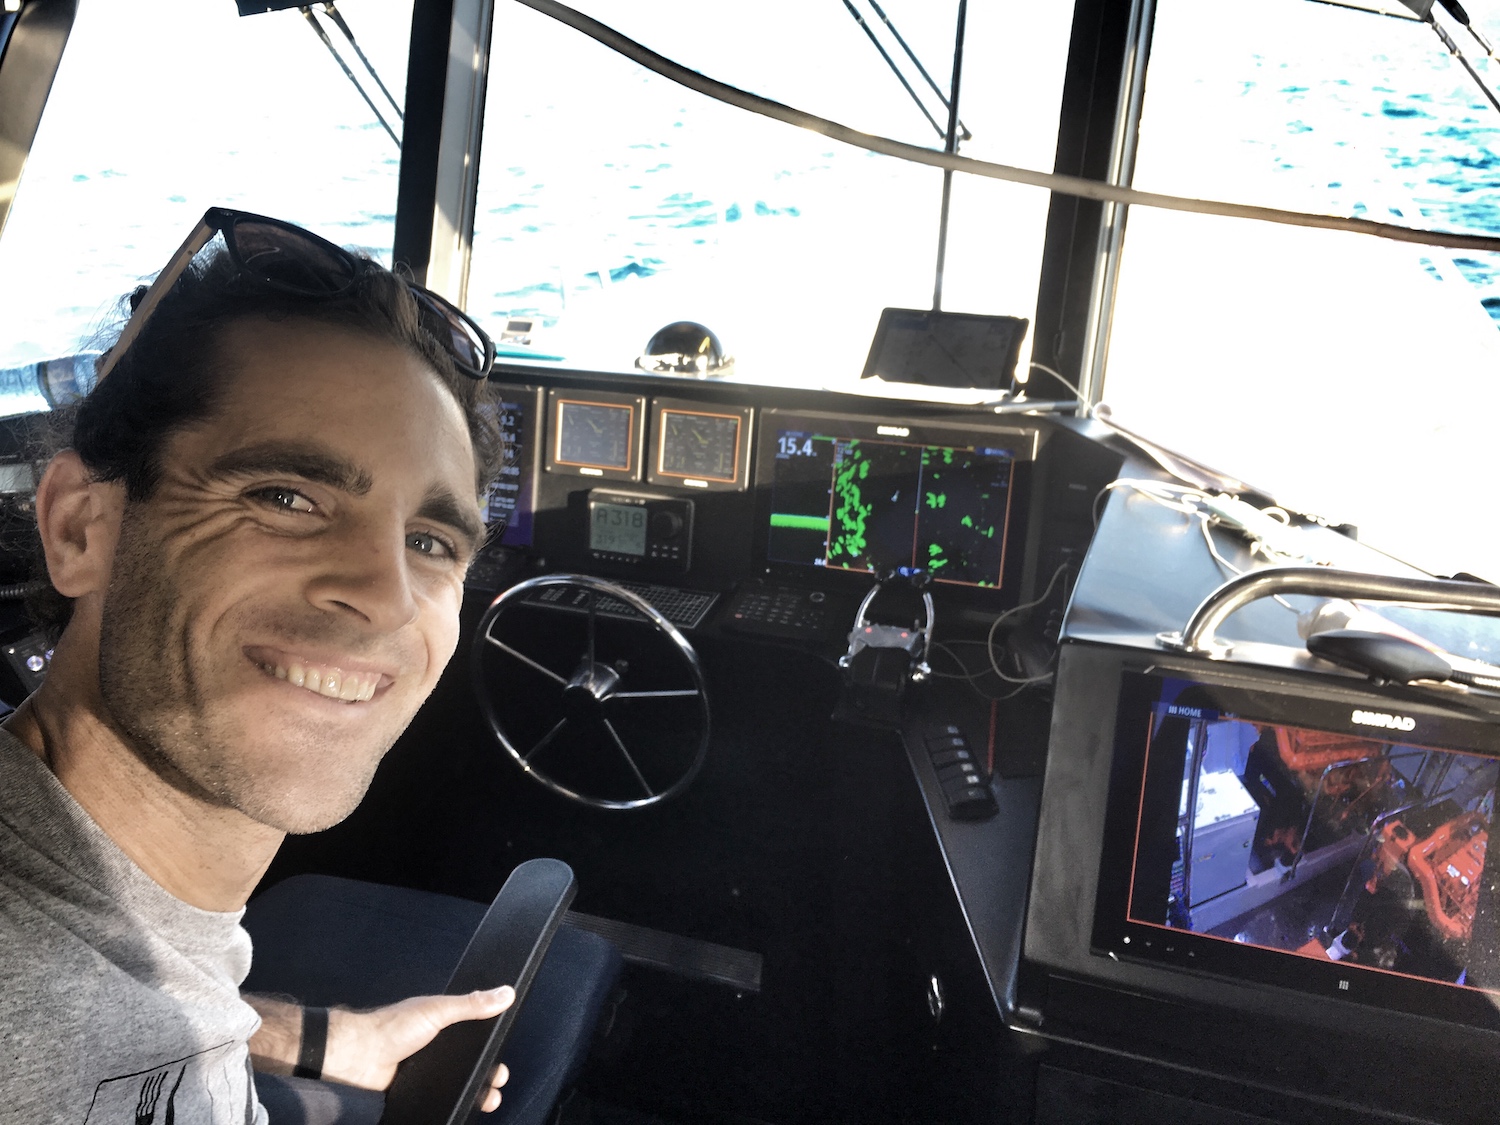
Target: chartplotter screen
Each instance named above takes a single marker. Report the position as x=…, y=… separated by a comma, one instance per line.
x=902, y=501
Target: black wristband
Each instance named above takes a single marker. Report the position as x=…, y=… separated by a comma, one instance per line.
x=314, y=1043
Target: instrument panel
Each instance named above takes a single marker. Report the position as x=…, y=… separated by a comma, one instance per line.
x=715, y=485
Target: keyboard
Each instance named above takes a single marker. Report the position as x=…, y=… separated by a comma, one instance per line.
x=783, y=611
x=684, y=608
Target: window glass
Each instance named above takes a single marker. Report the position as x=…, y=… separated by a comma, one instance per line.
x=162, y=108
x=613, y=202
x=1350, y=376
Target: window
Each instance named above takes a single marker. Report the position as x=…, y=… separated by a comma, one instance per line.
x=164, y=107
x=613, y=202
x=1349, y=376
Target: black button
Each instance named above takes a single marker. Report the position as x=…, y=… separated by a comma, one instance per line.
x=963, y=771
x=973, y=803
x=947, y=742
x=951, y=757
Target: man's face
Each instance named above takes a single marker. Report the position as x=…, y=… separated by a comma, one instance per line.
x=287, y=598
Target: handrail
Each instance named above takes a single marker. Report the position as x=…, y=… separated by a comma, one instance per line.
x=1198, y=636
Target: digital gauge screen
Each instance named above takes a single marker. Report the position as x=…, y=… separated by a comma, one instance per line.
x=594, y=434
x=875, y=505
x=508, y=504
x=699, y=445
x=618, y=529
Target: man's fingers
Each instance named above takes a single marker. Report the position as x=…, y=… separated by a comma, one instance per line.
x=364, y=1047
x=489, y=1098
x=482, y=1005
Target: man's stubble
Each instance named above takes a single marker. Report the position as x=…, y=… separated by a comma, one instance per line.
x=170, y=705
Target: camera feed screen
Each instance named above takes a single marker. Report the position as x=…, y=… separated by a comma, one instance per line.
x=1342, y=852
x=856, y=504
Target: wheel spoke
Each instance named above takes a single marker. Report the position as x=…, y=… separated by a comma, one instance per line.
x=593, y=617
x=633, y=767
x=546, y=738
x=524, y=659
x=679, y=693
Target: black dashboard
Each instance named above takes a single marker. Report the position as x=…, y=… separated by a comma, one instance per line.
x=744, y=492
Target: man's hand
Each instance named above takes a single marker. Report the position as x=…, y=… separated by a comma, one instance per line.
x=365, y=1047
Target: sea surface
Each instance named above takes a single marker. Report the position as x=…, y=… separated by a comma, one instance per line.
x=613, y=182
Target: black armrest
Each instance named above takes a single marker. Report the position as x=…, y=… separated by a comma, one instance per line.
x=440, y=1083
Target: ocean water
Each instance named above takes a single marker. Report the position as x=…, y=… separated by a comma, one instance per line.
x=612, y=202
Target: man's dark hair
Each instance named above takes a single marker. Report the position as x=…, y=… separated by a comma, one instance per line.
x=174, y=373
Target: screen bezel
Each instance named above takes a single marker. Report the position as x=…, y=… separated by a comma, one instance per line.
x=1023, y=440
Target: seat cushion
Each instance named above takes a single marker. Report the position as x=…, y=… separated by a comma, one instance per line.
x=330, y=941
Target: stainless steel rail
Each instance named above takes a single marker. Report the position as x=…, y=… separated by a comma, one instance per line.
x=1198, y=636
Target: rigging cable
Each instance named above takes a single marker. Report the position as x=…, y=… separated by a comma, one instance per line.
x=1459, y=14
x=896, y=70
x=1456, y=10
x=333, y=13
x=963, y=130
x=950, y=146
x=332, y=50
x=1078, y=186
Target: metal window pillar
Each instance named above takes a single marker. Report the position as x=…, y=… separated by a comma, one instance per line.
x=31, y=47
x=1097, y=130
x=1127, y=131
x=447, y=73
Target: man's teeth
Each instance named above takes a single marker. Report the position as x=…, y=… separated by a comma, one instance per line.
x=333, y=683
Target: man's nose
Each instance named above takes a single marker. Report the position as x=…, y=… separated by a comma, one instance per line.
x=366, y=570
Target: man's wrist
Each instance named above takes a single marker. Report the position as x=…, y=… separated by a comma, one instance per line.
x=275, y=1044
x=314, y=1043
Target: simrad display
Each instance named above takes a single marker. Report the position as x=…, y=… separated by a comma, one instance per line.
x=1304, y=843
x=865, y=497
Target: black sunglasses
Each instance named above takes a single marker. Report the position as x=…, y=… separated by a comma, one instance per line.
x=291, y=260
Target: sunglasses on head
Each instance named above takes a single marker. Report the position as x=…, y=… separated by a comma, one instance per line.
x=291, y=260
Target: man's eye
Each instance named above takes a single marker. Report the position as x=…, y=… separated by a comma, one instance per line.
x=428, y=544
x=286, y=499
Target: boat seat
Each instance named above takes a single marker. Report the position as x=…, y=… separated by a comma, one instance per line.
x=330, y=941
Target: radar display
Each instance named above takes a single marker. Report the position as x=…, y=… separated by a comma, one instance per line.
x=879, y=506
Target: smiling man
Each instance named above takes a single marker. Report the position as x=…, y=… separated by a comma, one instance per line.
x=256, y=543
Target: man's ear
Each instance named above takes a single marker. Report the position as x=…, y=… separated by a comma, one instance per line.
x=79, y=521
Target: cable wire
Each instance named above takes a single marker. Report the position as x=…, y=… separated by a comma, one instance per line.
x=1044, y=369
x=989, y=639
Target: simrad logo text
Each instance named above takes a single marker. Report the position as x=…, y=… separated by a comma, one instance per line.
x=1378, y=719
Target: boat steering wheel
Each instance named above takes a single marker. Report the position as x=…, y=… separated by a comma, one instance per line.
x=626, y=727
